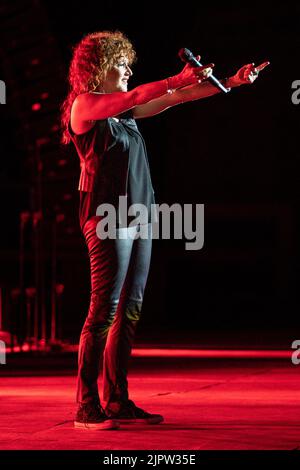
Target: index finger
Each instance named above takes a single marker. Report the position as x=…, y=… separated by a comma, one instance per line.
x=208, y=66
x=202, y=67
x=260, y=67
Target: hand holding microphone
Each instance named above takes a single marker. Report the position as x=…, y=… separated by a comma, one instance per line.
x=189, y=75
x=187, y=57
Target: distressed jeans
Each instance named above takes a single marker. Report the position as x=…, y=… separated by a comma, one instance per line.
x=119, y=270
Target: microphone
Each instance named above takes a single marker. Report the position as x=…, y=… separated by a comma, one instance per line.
x=187, y=57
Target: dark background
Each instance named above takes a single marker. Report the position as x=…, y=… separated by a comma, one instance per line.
x=236, y=153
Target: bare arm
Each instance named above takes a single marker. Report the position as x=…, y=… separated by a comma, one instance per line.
x=182, y=95
x=94, y=106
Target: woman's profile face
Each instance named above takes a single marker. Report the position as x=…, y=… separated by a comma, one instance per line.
x=117, y=77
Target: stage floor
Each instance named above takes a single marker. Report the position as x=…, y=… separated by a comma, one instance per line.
x=207, y=405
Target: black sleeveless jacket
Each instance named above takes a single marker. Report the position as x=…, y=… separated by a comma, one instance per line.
x=110, y=152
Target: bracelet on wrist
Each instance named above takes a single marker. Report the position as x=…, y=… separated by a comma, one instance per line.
x=169, y=87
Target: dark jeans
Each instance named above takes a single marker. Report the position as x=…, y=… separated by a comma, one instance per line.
x=119, y=271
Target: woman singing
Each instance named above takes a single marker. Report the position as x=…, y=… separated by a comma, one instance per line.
x=98, y=116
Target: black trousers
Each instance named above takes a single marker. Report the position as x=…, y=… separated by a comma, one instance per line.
x=119, y=270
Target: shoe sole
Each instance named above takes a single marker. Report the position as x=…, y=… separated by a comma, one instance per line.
x=156, y=420
x=104, y=426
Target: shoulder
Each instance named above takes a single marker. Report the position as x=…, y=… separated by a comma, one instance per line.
x=85, y=99
x=78, y=126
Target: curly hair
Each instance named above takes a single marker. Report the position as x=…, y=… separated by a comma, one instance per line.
x=92, y=57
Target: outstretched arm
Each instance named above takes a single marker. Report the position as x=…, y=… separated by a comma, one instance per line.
x=245, y=75
x=94, y=106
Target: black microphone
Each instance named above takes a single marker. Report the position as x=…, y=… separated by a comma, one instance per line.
x=187, y=57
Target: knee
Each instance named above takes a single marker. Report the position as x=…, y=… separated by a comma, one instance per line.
x=101, y=312
x=133, y=310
